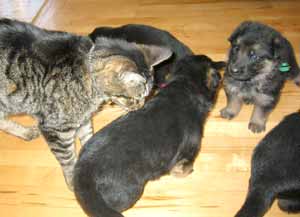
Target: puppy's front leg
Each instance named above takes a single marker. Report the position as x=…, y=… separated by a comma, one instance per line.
x=234, y=105
x=297, y=79
x=259, y=118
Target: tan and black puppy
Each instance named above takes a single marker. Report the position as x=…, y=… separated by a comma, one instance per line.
x=260, y=61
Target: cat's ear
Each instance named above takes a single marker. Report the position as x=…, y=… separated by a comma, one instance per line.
x=155, y=54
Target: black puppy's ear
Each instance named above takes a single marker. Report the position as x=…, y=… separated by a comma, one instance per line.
x=219, y=65
x=239, y=31
x=213, y=80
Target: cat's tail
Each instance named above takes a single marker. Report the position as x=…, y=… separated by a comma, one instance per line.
x=89, y=198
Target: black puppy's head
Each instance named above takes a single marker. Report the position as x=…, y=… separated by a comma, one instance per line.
x=256, y=49
x=200, y=69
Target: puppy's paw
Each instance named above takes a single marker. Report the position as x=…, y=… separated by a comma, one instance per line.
x=256, y=127
x=297, y=83
x=182, y=169
x=31, y=133
x=227, y=114
x=297, y=80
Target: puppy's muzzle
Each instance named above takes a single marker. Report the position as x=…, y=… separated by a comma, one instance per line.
x=238, y=73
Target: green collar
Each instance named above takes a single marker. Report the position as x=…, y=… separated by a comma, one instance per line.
x=284, y=67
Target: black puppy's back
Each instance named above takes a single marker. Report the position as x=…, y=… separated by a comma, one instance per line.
x=143, y=34
x=275, y=170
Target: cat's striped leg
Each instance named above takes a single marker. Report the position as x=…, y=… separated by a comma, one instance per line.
x=13, y=128
x=85, y=132
x=62, y=145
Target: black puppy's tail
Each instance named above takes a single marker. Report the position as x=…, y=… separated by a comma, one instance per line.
x=257, y=203
x=88, y=197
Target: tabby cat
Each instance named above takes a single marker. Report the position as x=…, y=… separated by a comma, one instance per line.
x=62, y=79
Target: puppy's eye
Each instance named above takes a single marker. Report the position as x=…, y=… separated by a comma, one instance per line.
x=253, y=56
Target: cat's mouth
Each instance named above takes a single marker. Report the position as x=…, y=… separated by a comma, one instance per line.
x=136, y=99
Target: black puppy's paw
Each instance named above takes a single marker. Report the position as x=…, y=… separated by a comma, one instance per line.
x=297, y=80
x=182, y=169
x=297, y=83
x=256, y=128
x=227, y=114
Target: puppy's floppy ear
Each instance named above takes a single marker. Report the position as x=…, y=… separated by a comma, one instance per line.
x=280, y=48
x=213, y=79
x=219, y=65
x=154, y=54
x=239, y=31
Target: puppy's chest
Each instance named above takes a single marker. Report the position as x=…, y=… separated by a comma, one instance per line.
x=251, y=92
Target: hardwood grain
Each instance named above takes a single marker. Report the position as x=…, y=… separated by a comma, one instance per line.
x=31, y=183
x=24, y=10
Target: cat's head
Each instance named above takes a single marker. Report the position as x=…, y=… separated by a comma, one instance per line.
x=125, y=70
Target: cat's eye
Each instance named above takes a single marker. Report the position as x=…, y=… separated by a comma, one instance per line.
x=253, y=56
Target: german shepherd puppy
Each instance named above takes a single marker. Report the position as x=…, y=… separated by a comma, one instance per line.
x=275, y=170
x=260, y=61
x=163, y=137
x=148, y=35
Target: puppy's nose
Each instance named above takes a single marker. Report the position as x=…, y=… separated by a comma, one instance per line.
x=234, y=70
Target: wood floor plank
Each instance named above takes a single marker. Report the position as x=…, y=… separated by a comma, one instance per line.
x=24, y=10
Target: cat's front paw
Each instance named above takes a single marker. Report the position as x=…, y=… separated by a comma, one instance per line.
x=69, y=180
x=31, y=133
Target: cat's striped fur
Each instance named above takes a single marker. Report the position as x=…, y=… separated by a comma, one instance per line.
x=62, y=79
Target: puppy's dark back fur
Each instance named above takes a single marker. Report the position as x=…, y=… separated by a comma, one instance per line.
x=143, y=34
x=275, y=170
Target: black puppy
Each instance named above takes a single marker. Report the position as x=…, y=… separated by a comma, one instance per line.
x=260, y=60
x=148, y=35
x=275, y=170
x=163, y=137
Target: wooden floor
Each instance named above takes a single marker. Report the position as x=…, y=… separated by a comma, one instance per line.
x=31, y=183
